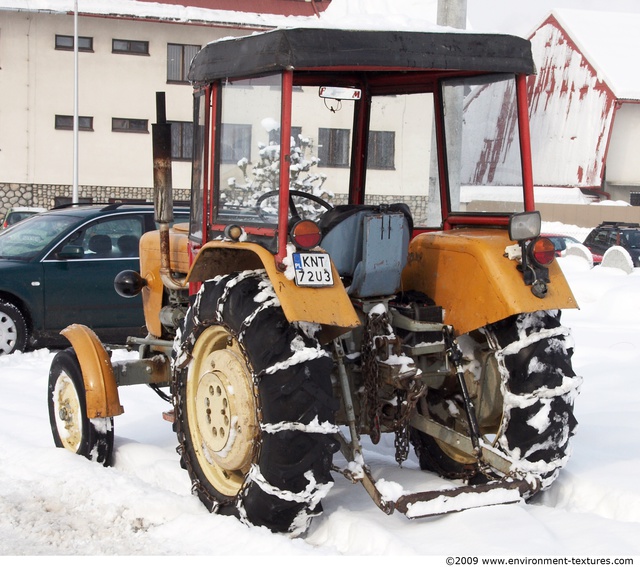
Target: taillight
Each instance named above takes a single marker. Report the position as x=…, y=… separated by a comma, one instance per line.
x=305, y=234
x=543, y=251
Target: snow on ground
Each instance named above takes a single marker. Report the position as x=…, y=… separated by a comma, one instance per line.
x=55, y=503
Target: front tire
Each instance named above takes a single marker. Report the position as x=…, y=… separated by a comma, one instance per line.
x=67, y=403
x=13, y=329
x=254, y=406
x=525, y=388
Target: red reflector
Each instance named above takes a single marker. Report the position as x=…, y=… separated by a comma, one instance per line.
x=543, y=251
x=305, y=234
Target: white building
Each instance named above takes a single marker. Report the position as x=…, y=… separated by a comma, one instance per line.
x=127, y=51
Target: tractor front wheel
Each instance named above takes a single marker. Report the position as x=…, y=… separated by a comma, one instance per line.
x=70, y=426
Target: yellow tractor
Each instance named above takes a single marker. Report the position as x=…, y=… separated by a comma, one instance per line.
x=363, y=258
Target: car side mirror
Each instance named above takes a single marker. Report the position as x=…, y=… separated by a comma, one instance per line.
x=71, y=252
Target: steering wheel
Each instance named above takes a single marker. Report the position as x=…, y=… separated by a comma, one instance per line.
x=292, y=206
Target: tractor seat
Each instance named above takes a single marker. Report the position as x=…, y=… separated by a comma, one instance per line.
x=368, y=245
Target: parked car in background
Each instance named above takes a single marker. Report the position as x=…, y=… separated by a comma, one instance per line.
x=16, y=214
x=561, y=241
x=58, y=267
x=608, y=234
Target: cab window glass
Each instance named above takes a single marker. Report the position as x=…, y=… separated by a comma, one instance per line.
x=249, y=156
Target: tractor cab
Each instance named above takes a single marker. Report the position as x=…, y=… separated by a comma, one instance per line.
x=296, y=128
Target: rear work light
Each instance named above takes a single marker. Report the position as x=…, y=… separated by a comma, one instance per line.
x=543, y=251
x=305, y=234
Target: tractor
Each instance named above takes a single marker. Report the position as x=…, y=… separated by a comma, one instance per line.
x=363, y=259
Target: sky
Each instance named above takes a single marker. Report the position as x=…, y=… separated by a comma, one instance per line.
x=520, y=17
x=59, y=505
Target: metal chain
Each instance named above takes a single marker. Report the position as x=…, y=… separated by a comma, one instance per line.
x=407, y=401
x=370, y=370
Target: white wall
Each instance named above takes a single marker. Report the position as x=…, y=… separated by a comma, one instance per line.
x=37, y=81
x=623, y=163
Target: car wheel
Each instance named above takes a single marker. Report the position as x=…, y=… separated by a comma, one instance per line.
x=13, y=329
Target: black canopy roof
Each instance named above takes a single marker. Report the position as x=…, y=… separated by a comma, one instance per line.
x=309, y=48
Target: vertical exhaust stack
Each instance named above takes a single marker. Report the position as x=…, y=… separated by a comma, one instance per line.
x=163, y=189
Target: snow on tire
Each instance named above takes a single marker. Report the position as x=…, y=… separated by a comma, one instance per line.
x=540, y=388
x=532, y=388
x=254, y=406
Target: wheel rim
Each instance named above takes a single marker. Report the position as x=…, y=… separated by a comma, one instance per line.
x=221, y=410
x=8, y=333
x=489, y=406
x=68, y=413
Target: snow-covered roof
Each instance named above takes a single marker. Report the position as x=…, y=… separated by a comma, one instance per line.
x=152, y=11
x=416, y=15
x=610, y=41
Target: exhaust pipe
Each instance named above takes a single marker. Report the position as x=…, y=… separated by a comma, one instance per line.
x=163, y=190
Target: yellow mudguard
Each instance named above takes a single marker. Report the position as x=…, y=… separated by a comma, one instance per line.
x=468, y=274
x=97, y=373
x=328, y=306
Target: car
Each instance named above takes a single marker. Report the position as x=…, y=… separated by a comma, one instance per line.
x=608, y=234
x=16, y=214
x=58, y=268
x=561, y=242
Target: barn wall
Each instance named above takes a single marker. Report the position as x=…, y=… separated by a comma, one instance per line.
x=571, y=112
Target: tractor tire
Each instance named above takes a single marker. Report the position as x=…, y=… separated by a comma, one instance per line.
x=67, y=403
x=13, y=329
x=526, y=408
x=254, y=411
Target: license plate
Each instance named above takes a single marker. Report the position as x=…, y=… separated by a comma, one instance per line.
x=312, y=269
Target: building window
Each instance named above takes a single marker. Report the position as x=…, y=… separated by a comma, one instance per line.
x=179, y=59
x=65, y=42
x=274, y=135
x=129, y=46
x=381, y=154
x=65, y=122
x=129, y=125
x=236, y=142
x=181, y=140
x=333, y=147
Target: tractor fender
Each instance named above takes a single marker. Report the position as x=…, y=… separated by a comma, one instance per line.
x=467, y=272
x=327, y=306
x=97, y=372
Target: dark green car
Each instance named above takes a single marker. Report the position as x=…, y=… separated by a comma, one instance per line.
x=58, y=268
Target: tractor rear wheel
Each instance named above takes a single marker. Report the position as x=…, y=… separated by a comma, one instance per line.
x=523, y=385
x=253, y=405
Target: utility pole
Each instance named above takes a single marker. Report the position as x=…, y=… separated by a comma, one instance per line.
x=452, y=13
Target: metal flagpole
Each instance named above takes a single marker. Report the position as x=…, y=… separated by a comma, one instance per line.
x=75, y=103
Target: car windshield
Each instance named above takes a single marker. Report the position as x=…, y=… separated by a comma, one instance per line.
x=27, y=239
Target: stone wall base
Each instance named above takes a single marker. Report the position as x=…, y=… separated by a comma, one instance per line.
x=48, y=196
